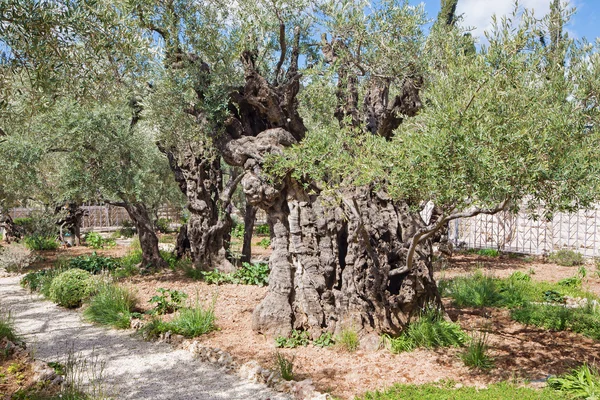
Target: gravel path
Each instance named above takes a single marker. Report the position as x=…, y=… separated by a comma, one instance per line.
x=133, y=369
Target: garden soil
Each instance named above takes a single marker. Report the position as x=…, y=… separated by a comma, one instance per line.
x=522, y=354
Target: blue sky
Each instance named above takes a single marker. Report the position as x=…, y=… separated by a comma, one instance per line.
x=477, y=13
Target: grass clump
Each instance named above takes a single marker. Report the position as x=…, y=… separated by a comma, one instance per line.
x=285, y=366
x=488, y=252
x=476, y=355
x=111, y=305
x=566, y=258
x=429, y=331
x=190, y=322
x=348, y=340
x=479, y=290
x=446, y=390
x=70, y=288
x=581, y=383
x=194, y=321
x=584, y=320
x=7, y=329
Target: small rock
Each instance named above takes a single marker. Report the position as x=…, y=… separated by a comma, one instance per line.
x=42, y=372
x=458, y=386
x=250, y=371
x=177, y=339
x=136, y=324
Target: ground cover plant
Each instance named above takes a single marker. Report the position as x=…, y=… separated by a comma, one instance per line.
x=584, y=320
x=96, y=241
x=566, y=258
x=167, y=300
x=37, y=242
x=248, y=274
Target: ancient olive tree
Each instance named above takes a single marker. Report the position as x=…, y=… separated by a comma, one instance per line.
x=388, y=121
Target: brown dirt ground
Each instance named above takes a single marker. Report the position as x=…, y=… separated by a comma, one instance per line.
x=521, y=353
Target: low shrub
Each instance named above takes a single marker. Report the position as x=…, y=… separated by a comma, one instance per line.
x=71, y=287
x=15, y=258
x=132, y=259
x=348, y=340
x=429, y=331
x=94, y=263
x=37, y=242
x=448, y=390
x=170, y=258
x=111, y=305
x=566, y=258
x=475, y=354
x=580, y=383
x=40, y=281
x=584, y=320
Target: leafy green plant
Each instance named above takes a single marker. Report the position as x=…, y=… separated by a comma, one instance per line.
x=520, y=276
x=162, y=224
x=215, y=277
x=111, y=305
x=297, y=338
x=581, y=383
x=263, y=230
x=429, y=331
x=37, y=242
x=154, y=328
x=253, y=274
x=170, y=258
x=553, y=296
x=94, y=263
x=127, y=229
x=96, y=241
x=573, y=281
x=71, y=287
x=168, y=300
x=325, y=340
x=348, y=340
x=566, y=258
x=285, y=366
x=237, y=231
x=475, y=354
x=264, y=243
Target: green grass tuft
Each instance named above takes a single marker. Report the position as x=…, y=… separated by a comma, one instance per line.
x=112, y=305
x=348, y=340
x=475, y=353
x=429, y=331
x=446, y=390
x=566, y=258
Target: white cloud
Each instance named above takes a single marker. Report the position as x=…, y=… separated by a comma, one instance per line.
x=478, y=13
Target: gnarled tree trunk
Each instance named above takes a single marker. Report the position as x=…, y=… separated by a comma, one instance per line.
x=208, y=229
x=148, y=240
x=12, y=232
x=249, y=218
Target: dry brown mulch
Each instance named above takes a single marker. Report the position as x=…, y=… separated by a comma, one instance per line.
x=520, y=352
